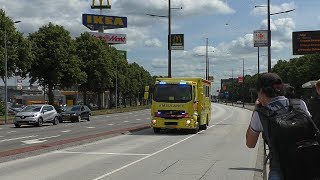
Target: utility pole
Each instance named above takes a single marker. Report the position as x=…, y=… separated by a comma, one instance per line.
x=243, y=82
x=207, y=63
x=5, y=77
x=169, y=39
x=232, y=88
x=258, y=62
x=269, y=39
x=6, y=74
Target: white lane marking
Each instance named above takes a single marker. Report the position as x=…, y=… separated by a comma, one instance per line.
x=110, y=124
x=130, y=113
x=0, y=128
x=136, y=115
x=138, y=119
x=155, y=153
x=1, y=136
x=24, y=137
x=102, y=153
x=108, y=116
x=126, y=121
x=116, y=115
x=65, y=131
x=90, y=127
x=44, y=128
x=11, y=132
x=39, y=140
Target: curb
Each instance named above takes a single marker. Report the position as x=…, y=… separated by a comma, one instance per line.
x=71, y=140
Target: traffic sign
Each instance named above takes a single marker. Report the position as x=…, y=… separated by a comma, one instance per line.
x=260, y=38
x=240, y=79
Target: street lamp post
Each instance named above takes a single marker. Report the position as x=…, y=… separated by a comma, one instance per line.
x=207, y=61
x=269, y=30
x=258, y=62
x=243, y=82
x=6, y=74
x=269, y=39
x=169, y=39
x=169, y=34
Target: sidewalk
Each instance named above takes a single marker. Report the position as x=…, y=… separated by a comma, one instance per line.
x=260, y=164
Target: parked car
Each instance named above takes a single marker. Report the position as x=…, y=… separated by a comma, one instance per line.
x=76, y=113
x=36, y=115
x=239, y=102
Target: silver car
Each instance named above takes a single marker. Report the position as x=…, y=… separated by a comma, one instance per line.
x=36, y=115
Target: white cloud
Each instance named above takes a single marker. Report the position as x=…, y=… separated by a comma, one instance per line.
x=201, y=51
x=159, y=63
x=39, y=13
x=153, y=43
x=189, y=7
x=281, y=32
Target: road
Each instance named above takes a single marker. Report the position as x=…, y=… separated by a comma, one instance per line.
x=217, y=153
x=14, y=138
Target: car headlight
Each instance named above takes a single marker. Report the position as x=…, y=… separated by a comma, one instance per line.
x=35, y=115
x=74, y=114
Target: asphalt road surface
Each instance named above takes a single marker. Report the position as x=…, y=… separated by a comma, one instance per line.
x=26, y=136
x=218, y=153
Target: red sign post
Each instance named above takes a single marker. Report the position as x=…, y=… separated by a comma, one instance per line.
x=240, y=79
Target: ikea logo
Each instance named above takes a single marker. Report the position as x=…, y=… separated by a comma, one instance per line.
x=93, y=21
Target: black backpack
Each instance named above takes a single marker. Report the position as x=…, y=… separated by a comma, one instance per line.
x=294, y=141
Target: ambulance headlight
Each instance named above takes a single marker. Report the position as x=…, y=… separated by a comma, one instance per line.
x=154, y=121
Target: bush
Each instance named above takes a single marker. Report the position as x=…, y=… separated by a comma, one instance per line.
x=2, y=108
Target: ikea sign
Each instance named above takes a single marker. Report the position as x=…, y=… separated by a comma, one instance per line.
x=93, y=21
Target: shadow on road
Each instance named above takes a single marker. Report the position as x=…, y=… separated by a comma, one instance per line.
x=246, y=169
x=30, y=126
x=167, y=132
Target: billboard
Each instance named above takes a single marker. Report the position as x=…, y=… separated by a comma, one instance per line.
x=260, y=38
x=111, y=38
x=94, y=21
x=177, y=42
x=306, y=42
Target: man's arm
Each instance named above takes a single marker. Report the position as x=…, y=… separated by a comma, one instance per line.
x=251, y=138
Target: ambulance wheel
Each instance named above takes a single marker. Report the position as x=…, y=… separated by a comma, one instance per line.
x=156, y=130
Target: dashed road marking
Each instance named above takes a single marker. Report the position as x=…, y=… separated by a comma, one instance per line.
x=90, y=127
x=138, y=119
x=110, y=124
x=65, y=131
x=11, y=132
x=12, y=139
x=39, y=140
x=125, y=121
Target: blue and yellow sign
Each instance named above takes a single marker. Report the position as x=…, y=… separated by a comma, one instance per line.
x=94, y=21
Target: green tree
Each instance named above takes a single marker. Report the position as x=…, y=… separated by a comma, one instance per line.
x=96, y=56
x=18, y=49
x=55, y=62
x=298, y=71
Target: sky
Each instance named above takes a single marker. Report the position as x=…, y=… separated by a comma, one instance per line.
x=228, y=25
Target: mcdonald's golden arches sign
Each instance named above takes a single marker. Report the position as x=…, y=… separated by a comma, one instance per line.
x=177, y=42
